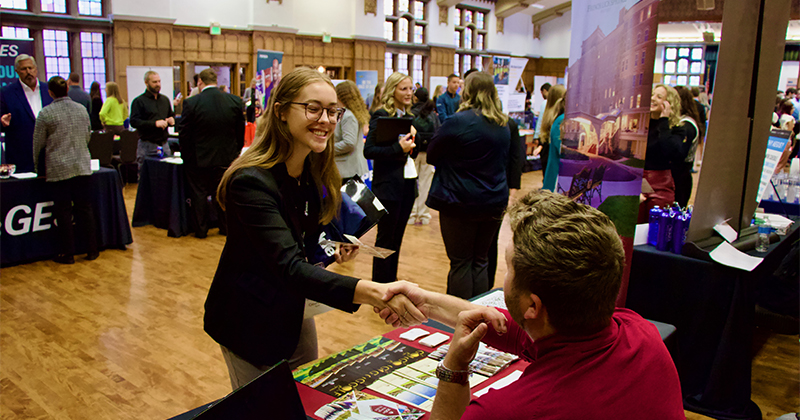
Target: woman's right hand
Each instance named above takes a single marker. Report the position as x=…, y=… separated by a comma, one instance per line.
x=667, y=110
x=407, y=143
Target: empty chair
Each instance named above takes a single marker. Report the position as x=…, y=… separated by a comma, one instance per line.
x=128, y=142
x=101, y=147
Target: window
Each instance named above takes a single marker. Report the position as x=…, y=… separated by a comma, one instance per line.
x=402, y=63
x=638, y=100
x=419, y=10
x=90, y=7
x=403, y=6
x=470, y=37
x=56, y=53
x=14, y=4
x=402, y=33
x=643, y=55
x=418, y=72
x=388, y=7
x=388, y=65
x=405, y=21
x=93, y=59
x=54, y=6
x=640, y=78
x=15, y=33
x=388, y=30
x=646, y=34
x=683, y=64
x=419, y=34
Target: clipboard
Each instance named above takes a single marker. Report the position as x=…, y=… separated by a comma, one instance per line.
x=389, y=128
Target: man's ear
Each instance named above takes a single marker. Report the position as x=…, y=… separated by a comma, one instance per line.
x=536, y=309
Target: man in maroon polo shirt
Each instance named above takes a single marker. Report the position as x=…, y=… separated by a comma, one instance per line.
x=587, y=359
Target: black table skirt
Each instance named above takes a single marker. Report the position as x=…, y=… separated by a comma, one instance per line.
x=161, y=199
x=39, y=241
x=712, y=306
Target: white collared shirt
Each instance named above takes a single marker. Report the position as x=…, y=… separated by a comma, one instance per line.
x=34, y=97
x=208, y=86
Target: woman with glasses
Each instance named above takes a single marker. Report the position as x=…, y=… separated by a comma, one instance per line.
x=348, y=135
x=393, y=183
x=276, y=196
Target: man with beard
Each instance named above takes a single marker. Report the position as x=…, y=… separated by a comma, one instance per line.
x=151, y=115
x=20, y=104
x=587, y=359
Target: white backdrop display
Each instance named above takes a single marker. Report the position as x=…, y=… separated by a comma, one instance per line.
x=136, y=84
x=437, y=81
x=536, y=95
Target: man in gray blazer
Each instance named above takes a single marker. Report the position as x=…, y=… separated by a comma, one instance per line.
x=62, y=130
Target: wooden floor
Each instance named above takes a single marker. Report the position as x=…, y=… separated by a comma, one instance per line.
x=122, y=337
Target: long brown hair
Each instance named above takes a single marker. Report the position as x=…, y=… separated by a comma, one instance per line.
x=689, y=108
x=348, y=94
x=481, y=95
x=555, y=106
x=94, y=90
x=377, y=100
x=274, y=144
x=112, y=90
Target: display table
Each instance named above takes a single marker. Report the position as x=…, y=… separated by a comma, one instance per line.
x=28, y=230
x=712, y=306
x=161, y=198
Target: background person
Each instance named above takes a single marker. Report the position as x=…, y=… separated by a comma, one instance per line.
x=20, y=104
x=348, y=134
x=684, y=162
x=115, y=109
x=448, y=102
x=151, y=115
x=664, y=138
x=76, y=92
x=471, y=152
x=391, y=183
x=62, y=131
x=97, y=105
x=585, y=356
x=426, y=122
x=273, y=198
x=555, y=108
x=212, y=136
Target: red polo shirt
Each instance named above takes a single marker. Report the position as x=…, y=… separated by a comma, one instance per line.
x=622, y=372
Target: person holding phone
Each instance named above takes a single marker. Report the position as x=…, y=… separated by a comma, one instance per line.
x=276, y=197
x=394, y=180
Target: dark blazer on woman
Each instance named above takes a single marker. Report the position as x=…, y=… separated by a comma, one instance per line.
x=472, y=157
x=388, y=162
x=256, y=301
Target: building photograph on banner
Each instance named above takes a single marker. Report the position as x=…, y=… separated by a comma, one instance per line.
x=268, y=73
x=604, y=132
x=11, y=49
x=366, y=80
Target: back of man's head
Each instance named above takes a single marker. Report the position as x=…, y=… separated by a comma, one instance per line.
x=570, y=255
x=58, y=86
x=791, y=91
x=208, y=76
x=545, y=87
x=74, y=78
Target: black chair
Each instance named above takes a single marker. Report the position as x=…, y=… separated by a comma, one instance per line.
x=101, y=147
x=128, y=143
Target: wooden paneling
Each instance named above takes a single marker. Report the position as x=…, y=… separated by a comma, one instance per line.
x=441, y=61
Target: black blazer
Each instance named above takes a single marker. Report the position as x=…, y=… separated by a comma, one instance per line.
x=256, y=301
x=211, y=129
x=19, y=134
x=388, y=162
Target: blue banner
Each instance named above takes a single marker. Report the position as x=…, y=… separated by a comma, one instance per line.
x=366, y=80
x=9, y=50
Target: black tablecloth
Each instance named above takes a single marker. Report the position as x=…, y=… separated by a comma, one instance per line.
x=161, y=199
x=28, y=230
x=712, y=307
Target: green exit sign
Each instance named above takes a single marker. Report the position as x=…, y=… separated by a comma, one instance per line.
x=216, y=30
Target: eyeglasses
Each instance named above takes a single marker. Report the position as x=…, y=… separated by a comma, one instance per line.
x=314, y=111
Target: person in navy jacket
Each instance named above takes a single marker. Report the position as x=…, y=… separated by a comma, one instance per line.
x=20, y=104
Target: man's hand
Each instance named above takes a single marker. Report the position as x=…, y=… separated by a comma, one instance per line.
x=170, y=121
x=414, y=293
x=346, y=253
x=407, y=143
x=162, y=124
x=6, y=120
x=471, y=328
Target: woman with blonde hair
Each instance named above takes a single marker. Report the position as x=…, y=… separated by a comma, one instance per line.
x=115, y=109
x=664, y=140
x=395, y=187
x=550, y=136
x=276, y=196
x=472, y=152
x=436, y=92
x=349, y=141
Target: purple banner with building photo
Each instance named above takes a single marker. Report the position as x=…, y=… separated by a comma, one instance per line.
x=604, y=134
x=269, y=71
x=9, y=50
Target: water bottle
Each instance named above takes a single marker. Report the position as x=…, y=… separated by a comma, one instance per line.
x=762, y=240
x=160, y=152
x=652, y=230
